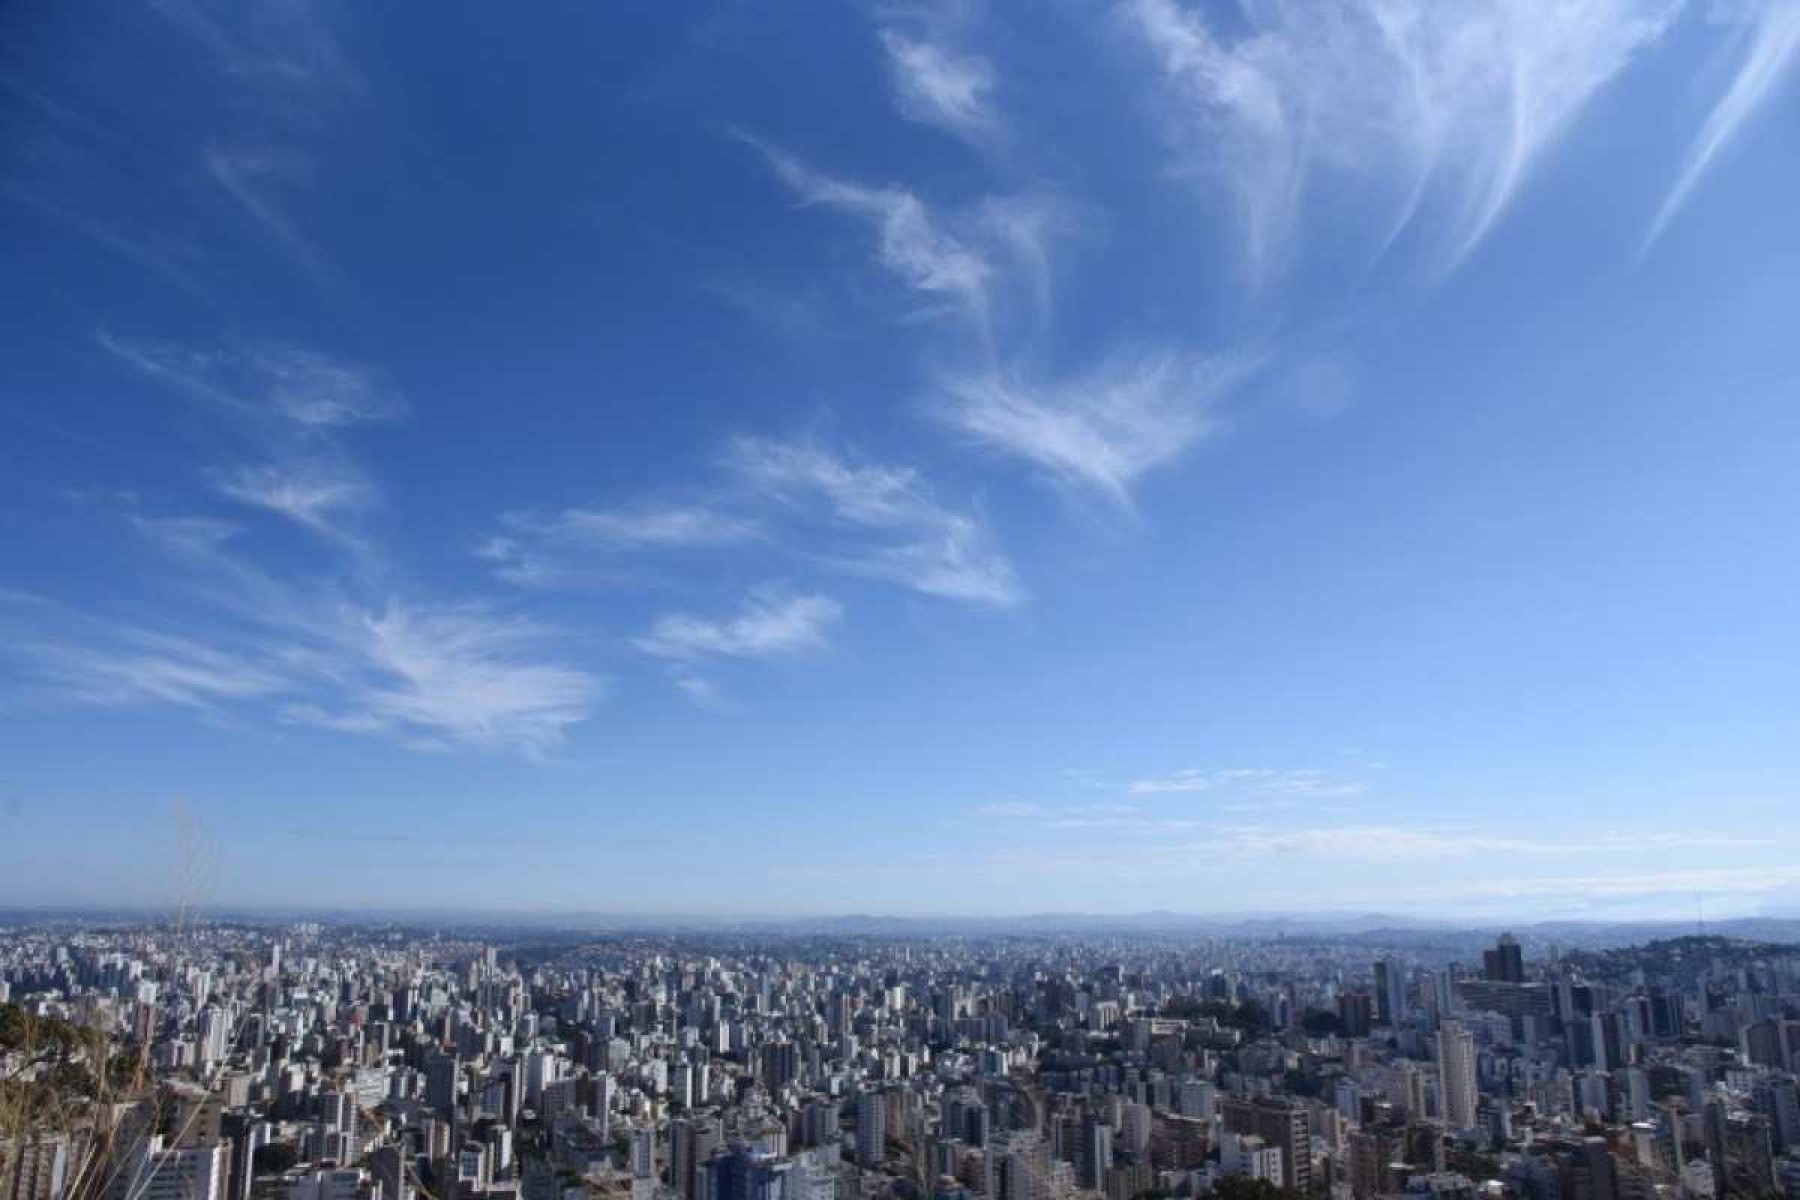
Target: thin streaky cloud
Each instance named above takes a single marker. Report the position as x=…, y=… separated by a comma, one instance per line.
x=424, y=675
x=309, y=389
x=911, y=243
x=1772, y=36
x=169, y=258
x=188, y=371
x=244, y=177
x=456, y=676
x=1101, y=431
x=319, y=390
x=870, y=520
x=987, y=263
x=904, y=535
x=703, y=691
x=143, y=667
x=585, y=545
x=319, y=495
x=463, y=674
x=287, y=43
x=1395, y=843
x=292, y=405
x=771, y=623
x=58, y=112
x=650, y=527
x=1026, y=809
x=1266, y=781
x=1419, y=114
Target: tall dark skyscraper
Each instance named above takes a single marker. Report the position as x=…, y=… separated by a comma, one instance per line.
x=1390, y=992
x=1505, y=963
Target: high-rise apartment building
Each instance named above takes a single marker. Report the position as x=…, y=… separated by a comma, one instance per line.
x=1456, y=1076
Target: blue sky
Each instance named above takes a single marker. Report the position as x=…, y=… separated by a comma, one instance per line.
x=945, y=459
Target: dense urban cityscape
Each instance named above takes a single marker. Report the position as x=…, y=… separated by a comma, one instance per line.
x=310, y=1061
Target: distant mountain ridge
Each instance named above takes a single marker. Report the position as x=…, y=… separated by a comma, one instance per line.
x=1375, y=928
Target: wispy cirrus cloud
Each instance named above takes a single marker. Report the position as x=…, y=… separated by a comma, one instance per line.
x=281, y=43
x=172, y=258
x=562, y=548
x=1100, y=431
x=937, y=83
x=1099, y=428
x=349, y=654
x=1117, y=818
x=1424, y=116
x=797, y=500
x=772, y=622
x=318, y=495
x=701, y=690
x=1399, y=843
x=292, y=405
x=912, y=243
x=1269, y=781
x=901, y=533
x=671, y=526
x=1027, y=809
x=987, y=263
x=1770, y=37
x=461, y=674
x=265, y=380
x=423, y=676
x=245, y=176
x=641, y=527
x=142, y=666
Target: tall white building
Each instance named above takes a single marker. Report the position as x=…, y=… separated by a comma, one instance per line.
x=199, y=1173
x=1456, y=1075
x=215, y=1035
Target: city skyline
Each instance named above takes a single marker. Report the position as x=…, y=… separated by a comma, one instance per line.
x=318, y=1060
x=923, y=460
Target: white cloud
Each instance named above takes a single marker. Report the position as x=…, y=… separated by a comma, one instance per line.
x=318, y=390
x=427, y=674
x=316, y=495
x=1030, y=810
x=669, y=527
x=293, y=405
x=989, y=262
x=920, y=544
x=1300, y=783
x=874, y=521
x=560, y=549
x=1395, y=843
x=269, y=381
x=423, y=675
x=283, y=43
x=698, y=688
x=1012, y=808
x=244, y=176
x=772, y=622
x=911, y=243
x=172, y=258
x=936, y=84
x=1115, y=818
x=460, y=674
x=1771, y=33
x=1429, y=114
x=138, y=666
x=1102, y=430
